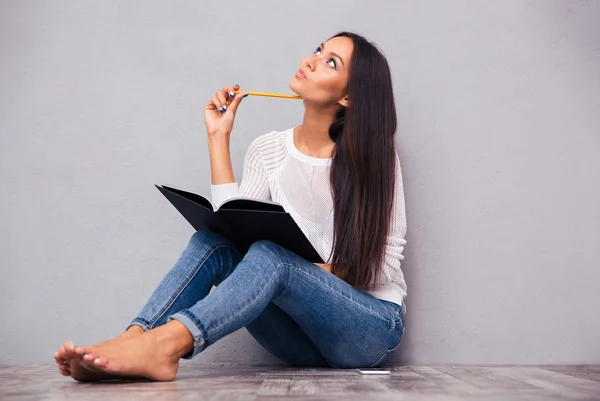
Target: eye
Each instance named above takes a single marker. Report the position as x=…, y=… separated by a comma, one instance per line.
x=331, y=59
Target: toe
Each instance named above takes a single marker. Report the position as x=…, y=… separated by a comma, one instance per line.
x=60, y=358
x=79, y=350
x=62, y=354
x=69, y=347
x=100, y=362
x=64, y=370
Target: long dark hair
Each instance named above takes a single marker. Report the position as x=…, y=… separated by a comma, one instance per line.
x=362, y=172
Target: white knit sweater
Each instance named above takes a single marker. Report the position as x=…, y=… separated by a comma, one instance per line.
x=275, y=170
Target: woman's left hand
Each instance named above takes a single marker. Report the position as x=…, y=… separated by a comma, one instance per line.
x=325, y=266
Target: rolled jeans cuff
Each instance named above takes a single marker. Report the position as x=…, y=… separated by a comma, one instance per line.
x=138, y=321
x=196, y=329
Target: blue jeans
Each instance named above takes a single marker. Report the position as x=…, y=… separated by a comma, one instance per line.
x=299, y=312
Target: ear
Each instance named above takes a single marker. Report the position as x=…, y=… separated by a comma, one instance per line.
x=344, y=101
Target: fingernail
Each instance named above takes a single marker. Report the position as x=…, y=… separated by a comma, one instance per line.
x=245, y=95
x=231, y=94
x=236, y=85
x=224, y=107
x=220, y=109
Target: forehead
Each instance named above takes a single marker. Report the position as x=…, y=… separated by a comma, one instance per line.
x=340, y=45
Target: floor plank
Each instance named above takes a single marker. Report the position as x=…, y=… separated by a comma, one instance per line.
x=232, y=381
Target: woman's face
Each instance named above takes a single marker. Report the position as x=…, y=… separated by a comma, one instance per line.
x=326, y=73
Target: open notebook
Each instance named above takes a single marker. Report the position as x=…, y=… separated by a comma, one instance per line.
x=243, y=221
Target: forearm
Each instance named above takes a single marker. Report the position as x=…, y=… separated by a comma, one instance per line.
x=220, y=160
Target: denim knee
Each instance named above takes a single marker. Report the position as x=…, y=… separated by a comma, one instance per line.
x=263, y=245
x=267, y=249
x=264, y=250
x=209, y=237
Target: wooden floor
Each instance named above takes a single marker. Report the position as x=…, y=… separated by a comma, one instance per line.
x=232, y=381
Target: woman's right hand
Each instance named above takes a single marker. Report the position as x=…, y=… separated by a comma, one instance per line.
x=221, y=122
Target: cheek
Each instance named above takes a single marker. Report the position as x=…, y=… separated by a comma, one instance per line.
x=329, y=83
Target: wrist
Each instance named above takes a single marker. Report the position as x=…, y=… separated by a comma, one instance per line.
x=218, y=139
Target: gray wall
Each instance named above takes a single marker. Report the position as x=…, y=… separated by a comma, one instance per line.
x=499, y=134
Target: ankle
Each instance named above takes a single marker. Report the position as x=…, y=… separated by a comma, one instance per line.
x=134, y=329
x=174, y=338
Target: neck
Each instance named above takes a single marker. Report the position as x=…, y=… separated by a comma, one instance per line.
x=312, y=136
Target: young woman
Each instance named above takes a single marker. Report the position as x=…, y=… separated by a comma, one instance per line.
x=347, y=313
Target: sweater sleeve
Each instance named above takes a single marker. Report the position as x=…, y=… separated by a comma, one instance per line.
x=254, y=184
x=394, y=243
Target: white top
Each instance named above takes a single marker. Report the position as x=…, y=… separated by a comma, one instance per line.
x=275, y=170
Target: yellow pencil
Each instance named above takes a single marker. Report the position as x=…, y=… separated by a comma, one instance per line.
x=270, y=94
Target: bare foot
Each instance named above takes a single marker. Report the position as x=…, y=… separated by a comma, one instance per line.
x=72, y=363
x=87, y=358
x=61, y=359
x=153, y=355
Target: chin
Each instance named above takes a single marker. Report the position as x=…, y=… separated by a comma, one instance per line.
x=296, y=87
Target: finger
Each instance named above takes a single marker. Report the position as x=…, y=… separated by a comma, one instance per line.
x=236, y=102
x=231, y=89
x=229, y=93
x=218, y=103
x=210, y=105
x=213, y=104
x=222, y=100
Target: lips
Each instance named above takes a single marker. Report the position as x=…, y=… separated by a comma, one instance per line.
x=300, y=72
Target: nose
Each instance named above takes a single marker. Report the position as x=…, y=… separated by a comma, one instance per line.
x=308, y=63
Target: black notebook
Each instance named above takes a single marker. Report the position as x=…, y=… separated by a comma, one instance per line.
x=243, y=221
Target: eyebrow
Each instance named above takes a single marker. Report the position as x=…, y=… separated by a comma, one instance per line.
x=333, y=53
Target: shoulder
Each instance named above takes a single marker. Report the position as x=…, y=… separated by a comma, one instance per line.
x=270, y=148
x=271, y=139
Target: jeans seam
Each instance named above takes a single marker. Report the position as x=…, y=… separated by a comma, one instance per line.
x=187, y=282
x=337, y=292
x=390, y=350
x=380, y=359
